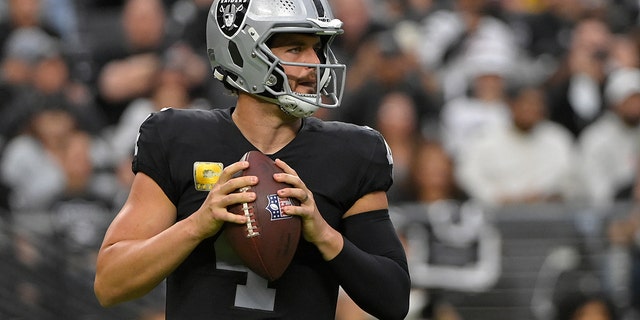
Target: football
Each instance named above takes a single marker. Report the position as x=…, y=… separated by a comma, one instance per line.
x=267, y=242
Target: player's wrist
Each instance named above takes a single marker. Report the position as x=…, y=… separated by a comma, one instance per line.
x=330, y=243
x=197, y=230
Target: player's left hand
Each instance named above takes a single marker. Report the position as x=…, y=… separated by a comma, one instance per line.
x=314, y=227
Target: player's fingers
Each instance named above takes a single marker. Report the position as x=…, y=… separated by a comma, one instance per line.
x=231, y=170
x=289, y=176
x=285, y=167
x=238, y=198
x=235, y=218
x=238, y=184
x=217, y=206
x=304, y=197
x=229, y=180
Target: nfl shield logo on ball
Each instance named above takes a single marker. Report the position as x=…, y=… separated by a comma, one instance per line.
x=275, y=207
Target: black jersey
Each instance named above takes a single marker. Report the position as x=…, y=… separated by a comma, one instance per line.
x=183, y=150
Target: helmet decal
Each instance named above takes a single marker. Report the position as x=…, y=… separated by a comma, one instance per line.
x=230, y=16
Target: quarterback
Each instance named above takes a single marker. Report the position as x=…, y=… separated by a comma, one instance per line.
x=276, y=56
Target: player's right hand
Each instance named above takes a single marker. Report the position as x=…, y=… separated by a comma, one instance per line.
x=213, y=212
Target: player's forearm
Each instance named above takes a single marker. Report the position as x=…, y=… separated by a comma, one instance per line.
x=372, y=266
x=379, y=285
x=129, y=269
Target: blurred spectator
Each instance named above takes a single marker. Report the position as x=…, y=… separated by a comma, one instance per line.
x=396, y=121
x=448, y=36
x=35, y=65
x=171, y=89
x=624, y=52
x=192, y=15
x=359, y=24
x=51, y=76
x=384, y=68
x=575, y=90
x=432, y=174
x=548, y=31
x=391, y=12
x=622, y=15
x=191, y=19
x=577, y=290
x=127, y=59
x=62, y=15
x=484, y=108
x=609, y=146
x=51, y=160
x=588, y=308
x=435, y=193
x=22, y=51
x=60, y=207
x=529, y=160
x=582, y=304
x=416, y=10
x=26, y=14
x=189, y=69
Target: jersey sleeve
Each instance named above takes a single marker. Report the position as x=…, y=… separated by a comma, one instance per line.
x=150, y=156
x=377, y=175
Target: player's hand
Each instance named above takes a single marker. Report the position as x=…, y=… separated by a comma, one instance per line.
x=314, y=227
x=213, y=212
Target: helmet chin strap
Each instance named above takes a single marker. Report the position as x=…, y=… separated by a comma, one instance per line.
x=296, y=107
x=292, y=106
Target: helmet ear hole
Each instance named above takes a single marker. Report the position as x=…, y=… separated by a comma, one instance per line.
x=275, y=82
x=278, y=84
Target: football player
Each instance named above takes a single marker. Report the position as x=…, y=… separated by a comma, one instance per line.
x=276, y=56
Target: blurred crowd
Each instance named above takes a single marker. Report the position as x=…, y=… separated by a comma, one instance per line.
x=501, y=102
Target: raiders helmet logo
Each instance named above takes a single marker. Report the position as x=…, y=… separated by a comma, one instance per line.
x=230, y=16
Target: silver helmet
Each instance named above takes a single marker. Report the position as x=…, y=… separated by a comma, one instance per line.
x=237, y=33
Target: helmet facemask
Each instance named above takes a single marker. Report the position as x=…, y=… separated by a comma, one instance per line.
x=329, y=77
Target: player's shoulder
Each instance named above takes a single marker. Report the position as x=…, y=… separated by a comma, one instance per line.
x=348, y=140
x=341, y=129
x=180, y=121
x=178, y=116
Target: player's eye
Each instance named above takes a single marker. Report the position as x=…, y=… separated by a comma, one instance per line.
x=296, y=49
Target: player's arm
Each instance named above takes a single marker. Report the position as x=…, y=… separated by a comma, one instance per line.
x=368, y=258
x=144, y=244
x=372, y=265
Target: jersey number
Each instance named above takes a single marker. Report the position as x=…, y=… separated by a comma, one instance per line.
x=255, y=294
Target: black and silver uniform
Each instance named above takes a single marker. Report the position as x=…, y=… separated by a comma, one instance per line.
x=338, y=162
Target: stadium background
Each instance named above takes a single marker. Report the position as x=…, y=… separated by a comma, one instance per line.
x=509, y=262
x=538, y=254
